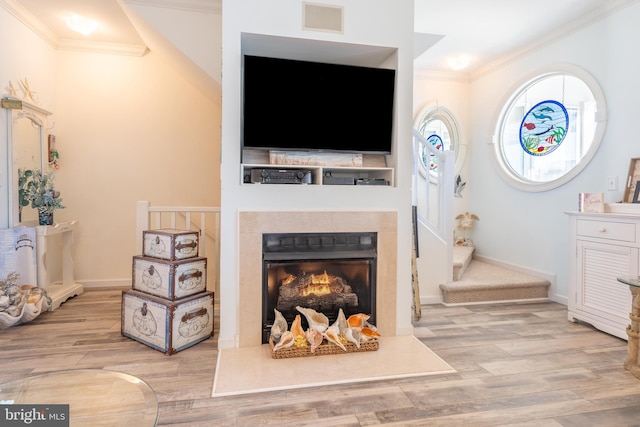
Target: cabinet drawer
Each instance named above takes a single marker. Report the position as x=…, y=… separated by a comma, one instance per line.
x=622, y=231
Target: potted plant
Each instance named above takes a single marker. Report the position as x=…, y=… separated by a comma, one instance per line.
x=43, y=196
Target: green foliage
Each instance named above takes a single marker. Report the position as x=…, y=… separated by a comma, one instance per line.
x=23, y=178
x=40, y=191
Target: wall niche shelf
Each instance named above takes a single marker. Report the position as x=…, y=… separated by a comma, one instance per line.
x=373, y=172
x=256, y=173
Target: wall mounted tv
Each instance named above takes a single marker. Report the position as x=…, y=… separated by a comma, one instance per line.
x=310, y=106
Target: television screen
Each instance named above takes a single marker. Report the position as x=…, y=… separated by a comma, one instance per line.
x=311, y=106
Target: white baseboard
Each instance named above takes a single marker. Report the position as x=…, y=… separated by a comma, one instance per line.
x=407, y=330
x=227, y=342
x=431, y=299
x=106, y=283
x=560, y=299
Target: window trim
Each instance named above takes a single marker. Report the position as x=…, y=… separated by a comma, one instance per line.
x=600, y=124
x=433, y=111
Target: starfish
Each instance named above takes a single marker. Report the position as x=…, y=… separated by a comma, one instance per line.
x=11, y=90
x=28, y=93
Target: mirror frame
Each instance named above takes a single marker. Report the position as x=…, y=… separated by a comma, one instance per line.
x=39, y=116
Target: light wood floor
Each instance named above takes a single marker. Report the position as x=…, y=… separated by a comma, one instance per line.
x=517, y=365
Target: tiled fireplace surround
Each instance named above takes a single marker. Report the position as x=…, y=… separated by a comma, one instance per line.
x=254, y=223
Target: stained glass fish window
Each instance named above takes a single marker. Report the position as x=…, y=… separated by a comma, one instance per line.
x=543, y=128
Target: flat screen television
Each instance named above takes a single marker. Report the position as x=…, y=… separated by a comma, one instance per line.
x=310, y=106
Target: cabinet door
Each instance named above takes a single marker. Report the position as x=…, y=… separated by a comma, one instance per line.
x=598, y=291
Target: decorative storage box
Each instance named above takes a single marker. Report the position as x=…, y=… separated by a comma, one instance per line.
x=168, y=326
x=169, y=279
x=170, y=244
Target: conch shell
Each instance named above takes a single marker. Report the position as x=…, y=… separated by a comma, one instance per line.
x=317, y=321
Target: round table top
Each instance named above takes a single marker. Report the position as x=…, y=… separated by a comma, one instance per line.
x=96, y=397
x=631, y=281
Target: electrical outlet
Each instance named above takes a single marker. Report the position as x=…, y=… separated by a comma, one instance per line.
x=612, y=183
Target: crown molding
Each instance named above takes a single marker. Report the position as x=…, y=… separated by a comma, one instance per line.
x=41, y=30
x=30, y=21
x=607, y=9
x=204, y=6
x=104, y=48
x=427, y=74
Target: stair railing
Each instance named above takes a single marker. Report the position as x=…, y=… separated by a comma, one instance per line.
x=206, y=220
x=436, y=210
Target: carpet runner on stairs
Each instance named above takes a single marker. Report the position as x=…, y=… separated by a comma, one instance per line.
x=461, y=258
x=482, y=282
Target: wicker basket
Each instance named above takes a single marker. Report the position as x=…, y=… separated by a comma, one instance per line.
x=323, y=349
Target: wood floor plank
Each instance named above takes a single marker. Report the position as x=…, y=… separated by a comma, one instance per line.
x=518, y=365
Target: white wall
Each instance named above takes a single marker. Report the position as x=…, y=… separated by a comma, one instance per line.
x=452, y=93
x=530, y=229
x=127, y=129
x=366, y=22
x=201, y=43
x=24, y=55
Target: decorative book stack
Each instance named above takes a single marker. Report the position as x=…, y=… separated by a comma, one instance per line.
x=169, y=308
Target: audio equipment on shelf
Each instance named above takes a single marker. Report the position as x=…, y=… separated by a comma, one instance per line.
x=280, y=176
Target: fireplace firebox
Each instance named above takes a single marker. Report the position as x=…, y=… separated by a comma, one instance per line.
x=323, y=271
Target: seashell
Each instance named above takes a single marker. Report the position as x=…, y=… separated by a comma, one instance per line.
x=14, y=311
x=369, y=334
x=278, y=328
x=286, y=341
x=369, y=325
x=343, y=325
x=314, y=338
x=35, y=295
x=317, y=321
x=299, y=338
x=356, y=321
x=4, y=301
x=353, y=336
x=332, y=335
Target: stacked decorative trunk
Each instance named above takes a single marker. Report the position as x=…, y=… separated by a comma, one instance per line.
x=169, y=308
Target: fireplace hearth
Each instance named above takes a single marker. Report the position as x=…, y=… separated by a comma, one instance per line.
x=323, y=271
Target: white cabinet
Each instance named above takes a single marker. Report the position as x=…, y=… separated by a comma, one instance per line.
x=603, y=248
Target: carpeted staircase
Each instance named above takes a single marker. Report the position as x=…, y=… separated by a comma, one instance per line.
x=475, y=281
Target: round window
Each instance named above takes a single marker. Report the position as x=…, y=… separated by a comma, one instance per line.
x=439, y=128
x=549, y=129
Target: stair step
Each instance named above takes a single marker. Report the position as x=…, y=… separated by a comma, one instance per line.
x=462, y=256
x=485, y=282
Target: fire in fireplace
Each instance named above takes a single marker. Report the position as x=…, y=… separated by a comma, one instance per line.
x=323, y=271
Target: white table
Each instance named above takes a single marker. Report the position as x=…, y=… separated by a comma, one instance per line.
x=58, y=291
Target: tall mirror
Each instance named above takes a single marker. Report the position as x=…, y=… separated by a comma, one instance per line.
x=27, y=151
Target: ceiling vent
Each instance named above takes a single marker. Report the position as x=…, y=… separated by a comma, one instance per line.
x=320, y=17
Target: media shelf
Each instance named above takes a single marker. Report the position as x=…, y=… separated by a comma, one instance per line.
x=257, y=173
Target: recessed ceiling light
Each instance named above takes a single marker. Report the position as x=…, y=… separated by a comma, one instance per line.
x=81, y=24
x=459, y=62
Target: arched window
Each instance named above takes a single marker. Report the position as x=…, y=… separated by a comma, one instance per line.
x=549, y=129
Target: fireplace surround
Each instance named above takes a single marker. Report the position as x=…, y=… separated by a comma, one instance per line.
x=253, y=224
x=323, y=271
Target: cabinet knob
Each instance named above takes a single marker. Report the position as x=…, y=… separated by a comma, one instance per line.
x=603, y=230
